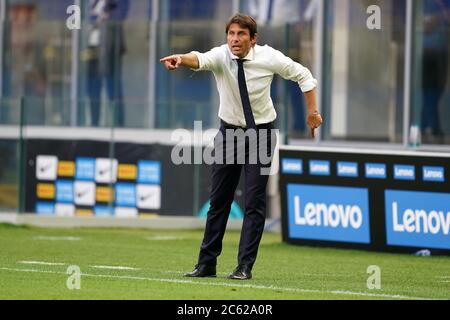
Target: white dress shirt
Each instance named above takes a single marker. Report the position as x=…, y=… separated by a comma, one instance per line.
x=263, y=62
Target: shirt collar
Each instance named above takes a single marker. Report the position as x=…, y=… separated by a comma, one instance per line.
x=250, y=56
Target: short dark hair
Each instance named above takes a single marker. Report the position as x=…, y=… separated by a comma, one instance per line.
x=245, y=22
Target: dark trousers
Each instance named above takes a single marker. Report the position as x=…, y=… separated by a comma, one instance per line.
x=225, y=179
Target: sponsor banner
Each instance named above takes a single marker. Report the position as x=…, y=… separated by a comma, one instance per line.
x=106, y=170
x=46, y=168
x=45, y=191
x=125, y=195
x=328, y=213
x=66, y=169
x=64, y=210
x=84, y=213
x=104, y=194
x=84, y=193
x=45, y=208
x=149, y=172
x=85, y=169
x=127, y=172
x=347, y=169
x=148, y=197
x=418, y=219
x=64, y=191
x=103, y=211
x=403, y=197
x=126, y=212
x=87, y=189
x=292, y=166
x=404, y=172
x=433, y=174
x=376, y=171
x=319, y=168
x=136, y=164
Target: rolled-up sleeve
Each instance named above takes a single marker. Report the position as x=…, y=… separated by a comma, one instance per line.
x=209, y=61
x=294, y=71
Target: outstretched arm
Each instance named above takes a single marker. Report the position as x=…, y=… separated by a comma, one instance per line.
x=188, y=60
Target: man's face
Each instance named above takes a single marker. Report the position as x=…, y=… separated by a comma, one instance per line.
x=239, y=40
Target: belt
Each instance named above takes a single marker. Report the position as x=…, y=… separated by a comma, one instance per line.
x=226, y=125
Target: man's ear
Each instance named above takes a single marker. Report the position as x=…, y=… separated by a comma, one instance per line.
x=253, y=41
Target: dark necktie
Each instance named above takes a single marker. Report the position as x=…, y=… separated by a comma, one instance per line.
x=249, y=119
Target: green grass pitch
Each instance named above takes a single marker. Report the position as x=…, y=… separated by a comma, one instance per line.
x=148, y=264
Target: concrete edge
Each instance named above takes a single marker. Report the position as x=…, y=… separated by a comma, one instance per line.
x=164, y=223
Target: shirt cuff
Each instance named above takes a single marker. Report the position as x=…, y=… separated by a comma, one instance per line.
x=308, y=85
x=201, y=62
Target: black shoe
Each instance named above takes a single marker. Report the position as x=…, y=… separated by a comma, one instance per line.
x=242, y=272
x=202, y=271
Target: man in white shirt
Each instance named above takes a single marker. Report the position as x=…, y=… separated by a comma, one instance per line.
x=243, y=72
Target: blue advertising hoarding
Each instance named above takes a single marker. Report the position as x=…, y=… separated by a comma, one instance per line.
x=418, y=219
x=328, y=213
x=394, y=201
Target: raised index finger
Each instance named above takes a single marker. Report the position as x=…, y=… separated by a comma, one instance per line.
x=166, y=59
